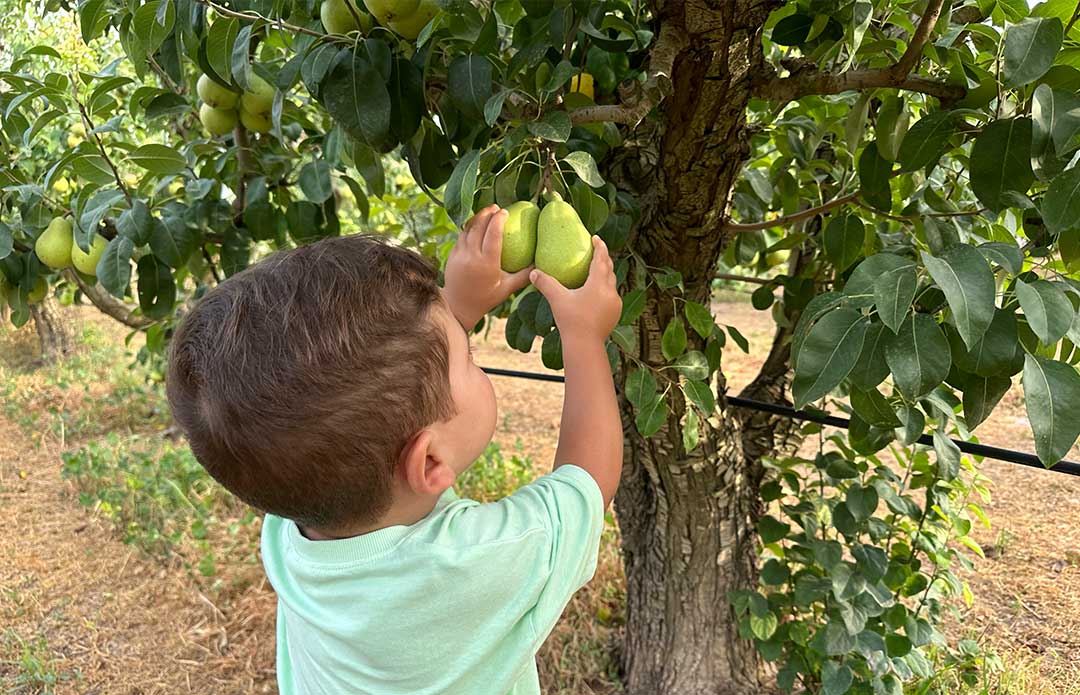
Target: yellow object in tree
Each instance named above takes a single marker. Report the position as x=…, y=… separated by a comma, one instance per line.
x=583, y=83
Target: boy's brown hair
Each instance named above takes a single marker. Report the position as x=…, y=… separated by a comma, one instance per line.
x=300, y=380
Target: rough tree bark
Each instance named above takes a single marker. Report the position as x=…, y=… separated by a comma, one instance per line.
x=688, y=519
x=53, y=329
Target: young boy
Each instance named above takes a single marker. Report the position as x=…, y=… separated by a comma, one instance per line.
x=332, y=387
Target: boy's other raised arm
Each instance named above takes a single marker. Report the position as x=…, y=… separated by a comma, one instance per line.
x=590, y=434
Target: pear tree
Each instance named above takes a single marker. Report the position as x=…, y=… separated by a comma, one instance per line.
x=896, y=181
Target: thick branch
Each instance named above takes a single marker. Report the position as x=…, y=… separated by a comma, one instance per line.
x=736, y=228
x=108, y=304
x=658, y=85
x=810, y=81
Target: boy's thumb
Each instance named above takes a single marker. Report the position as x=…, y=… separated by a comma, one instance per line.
x=548, y=286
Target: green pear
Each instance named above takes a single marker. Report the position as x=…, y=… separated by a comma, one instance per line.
x=519, y=236
x=409, y=26
x=337, y=18
x=258, y=97
x=53, y=247
x=256, y=122
x=217, y=121
x=38, y=291
x=86, y=263
x=387, y=11
x=563, y=244
x=215, y=94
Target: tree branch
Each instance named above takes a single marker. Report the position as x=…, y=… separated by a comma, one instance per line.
x=108, y=304
x=658, y=85
x=736, y=228
x=89, y=125
x=252, y=16
x=809, y=80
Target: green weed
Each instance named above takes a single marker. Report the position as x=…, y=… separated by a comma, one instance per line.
x=494, y=476
x=31, y=661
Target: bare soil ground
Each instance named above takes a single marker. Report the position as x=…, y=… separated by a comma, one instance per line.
x=79, y=607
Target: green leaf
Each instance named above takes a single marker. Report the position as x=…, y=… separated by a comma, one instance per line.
x=407, y=106
x=1008, y=256
x=692, y=365
x=859, y=287
x=1047, y=309
x=673, y=342
x=926, y=141
x=640, y=387
x=771, y=530
x=828, y=354
x=584, y=166
x=814, y=310
x=764, y=626
x=861, y=501
x=355, y=96
x=220, y=38
x=1052, y=399
x=1029, y=49
x=894, y=290
x=948, y=456
x=369, y=164
x=591, y=208
x=554, y=126
x=918, y=356
x=690, y=433
x=792, y=30
x=315, y=181
x=633, y=303
x=1056, y=119
x=151, y=29
x=700, y=394
x=965, y=277
x=874, y=408
x=172, y=241
x=699, y=318
x=844, y=238
x=95, y=210
x=997, y=353
x=651, y=417
x=158, y=159
x=157, y=289
x=7, y=243
x=493, y=106
x=114, y=266
x=1061, y=204
x=93, y=168
x=551, y=351
x=93, y=18
x=981, y=394
x=625, y=338
x=836, y=679
x=875, y=174
x=469, y=84
x=461, y=188
x=1001, y=161
x=136, y=223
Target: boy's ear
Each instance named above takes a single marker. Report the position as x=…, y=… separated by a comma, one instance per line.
x=424, y=472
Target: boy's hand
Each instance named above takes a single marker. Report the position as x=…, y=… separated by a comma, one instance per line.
x=590, y=313
x=475, y=282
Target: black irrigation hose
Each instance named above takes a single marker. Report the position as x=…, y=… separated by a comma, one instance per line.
x=1024, y=459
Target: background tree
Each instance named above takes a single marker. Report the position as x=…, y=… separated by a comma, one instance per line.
x=893, y=176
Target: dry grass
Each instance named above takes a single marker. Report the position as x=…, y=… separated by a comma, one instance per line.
x=100, y=617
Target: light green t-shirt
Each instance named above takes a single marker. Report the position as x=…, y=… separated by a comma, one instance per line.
x=455, y=604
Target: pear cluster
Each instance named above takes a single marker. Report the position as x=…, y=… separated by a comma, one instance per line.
x=222, y=107
x=404, y=17
x=57, y=249
x=553, y=239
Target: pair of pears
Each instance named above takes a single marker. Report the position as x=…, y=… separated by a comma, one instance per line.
x=57, y=249
x=553, y=239
x=404, y=17
x=222, y=107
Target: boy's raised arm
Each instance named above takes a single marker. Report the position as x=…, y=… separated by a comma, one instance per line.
x=590, y=435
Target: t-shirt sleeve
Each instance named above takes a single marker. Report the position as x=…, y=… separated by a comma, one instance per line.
x=558, y=520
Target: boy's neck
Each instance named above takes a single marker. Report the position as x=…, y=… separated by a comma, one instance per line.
x=404, y=512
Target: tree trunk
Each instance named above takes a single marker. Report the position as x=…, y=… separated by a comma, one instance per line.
x=688, y=519
x=53, y=329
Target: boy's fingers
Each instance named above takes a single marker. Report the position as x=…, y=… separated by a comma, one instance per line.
x=491, y=247
x=601, y=260
x=516, y=281
x=548, y=286
x=478, y=221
